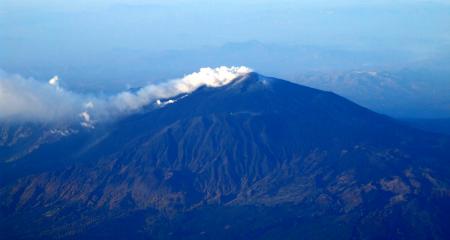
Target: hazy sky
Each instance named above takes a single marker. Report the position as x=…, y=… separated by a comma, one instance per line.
x=112, y=44
x=33, y=28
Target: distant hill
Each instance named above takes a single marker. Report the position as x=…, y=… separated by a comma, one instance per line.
x=406, y=93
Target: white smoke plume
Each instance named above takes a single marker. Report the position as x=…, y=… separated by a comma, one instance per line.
x=25, y=99
x=54, y=81
x=211, y=77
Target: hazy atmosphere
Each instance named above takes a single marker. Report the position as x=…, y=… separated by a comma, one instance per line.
x=110, y=46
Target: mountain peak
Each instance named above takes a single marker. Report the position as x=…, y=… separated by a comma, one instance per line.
x=253, y=80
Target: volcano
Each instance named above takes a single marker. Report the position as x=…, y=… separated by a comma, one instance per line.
x=258, y=158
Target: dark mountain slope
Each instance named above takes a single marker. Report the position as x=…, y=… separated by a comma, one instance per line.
x=31, y=148
x=438, y=125
x=286, y=160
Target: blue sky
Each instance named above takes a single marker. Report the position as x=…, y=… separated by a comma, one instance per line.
x=31, y=28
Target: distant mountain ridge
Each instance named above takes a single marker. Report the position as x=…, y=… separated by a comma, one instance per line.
x=257, y=158
x=406, y=93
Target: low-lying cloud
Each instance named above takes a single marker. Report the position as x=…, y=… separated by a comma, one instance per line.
x=25, y=99
x=29, y=100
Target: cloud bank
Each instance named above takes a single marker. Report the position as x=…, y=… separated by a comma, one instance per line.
x=25, y=99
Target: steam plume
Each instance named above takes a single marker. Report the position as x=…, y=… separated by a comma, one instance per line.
x=25, y=99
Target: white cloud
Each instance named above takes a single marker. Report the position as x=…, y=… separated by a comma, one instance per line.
x=29, y=100
x=25, y=99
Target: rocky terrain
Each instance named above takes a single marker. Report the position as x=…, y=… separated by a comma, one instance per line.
x=259, y=158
